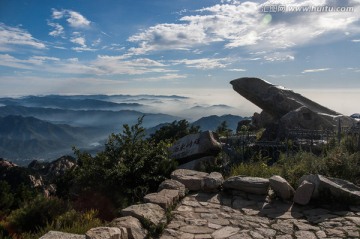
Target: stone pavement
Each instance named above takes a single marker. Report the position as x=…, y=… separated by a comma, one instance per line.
x=219, y=215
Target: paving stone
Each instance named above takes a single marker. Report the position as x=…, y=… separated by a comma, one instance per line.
x=203, y=236
x=320, y=234
x=256, y=235
x=214, y=226
x=305, y=235
x=241, y=235
x=225, y=232
x=301, y=226
x=352, y=233
x=284, y=237
x=286, y=228
x=196, y=229
x=183, y=208
x=187, y=236
x=61, y=235
x=330, y=224
x=355, y=220
x=173, y=184
x=220, y=221
x=266, y=232
x=334, y=233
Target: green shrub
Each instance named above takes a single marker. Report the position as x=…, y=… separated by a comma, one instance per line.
x=36, y=214
x=70, y=222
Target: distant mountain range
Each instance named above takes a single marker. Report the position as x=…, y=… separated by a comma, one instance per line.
x=46, y=127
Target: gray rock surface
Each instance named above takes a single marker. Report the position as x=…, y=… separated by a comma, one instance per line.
x=253, y=185
x=338, y=188
x=281, y=187
x=173, y=184
x=107, y=233
x=193, y=180
x=198, y=164
x=134, y=228
x=304, y=193
x=195, y=146
x=61, y=235
x=292, y=109
x=213, y=182
x=147, y=211
x=165, y=198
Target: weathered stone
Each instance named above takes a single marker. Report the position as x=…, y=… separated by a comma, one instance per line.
x=196, y=229
x=173, y=184
x=195, y=146
x=247, y=184
x=107, y=233
x=283, y=227
x=147, y=211
x=355, y=220
x=291, y=109
x=304, y=193
x=213, y=182
x=334, y=233
x=199, y=164
x=321, y=234
x=305, y=235
x=225, y=232
x=165, y=198
x=61, y=235
x=281, y=187
x=266, y=232
x=336, y=187
x=134, y=228
x=193, y=180
x=158, y=199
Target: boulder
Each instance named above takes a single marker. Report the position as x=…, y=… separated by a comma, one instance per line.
x=195, y=146
x=304, y=193
x=253, y=185
x=173, y=184
x=193, y=180
x=290, y=108
x=337, y=188
x=165, y=198
x=134, y=228
x=198, y=164
x=213, y=182
x=107, y=233
x=281, y=187
x=147, y=211
x=61, y=235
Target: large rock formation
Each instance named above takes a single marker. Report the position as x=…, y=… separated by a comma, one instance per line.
x=284, y=106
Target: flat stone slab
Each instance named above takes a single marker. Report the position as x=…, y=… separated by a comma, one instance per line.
x=253, y=185
x=173, y=184
x=193, y=180
x=61, y=235
x=133, y=226
x=106, y=233
x=147, y=211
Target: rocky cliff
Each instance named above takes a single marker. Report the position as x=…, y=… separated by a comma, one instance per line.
x=285, y=107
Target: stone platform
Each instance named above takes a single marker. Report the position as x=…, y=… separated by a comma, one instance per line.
x=218, y=215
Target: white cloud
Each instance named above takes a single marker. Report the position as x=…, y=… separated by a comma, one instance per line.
x=355, y=40
x=315, y=70
x=243, y=25
x=79, y=40
x=166, y=77
x=102, y=65
x=237, y=70
x=58, y=29
x=75, y=19
x=13, y=37
x=203, y=63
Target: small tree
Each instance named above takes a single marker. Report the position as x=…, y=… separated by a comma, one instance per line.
x=174, y=131
x=223, y=129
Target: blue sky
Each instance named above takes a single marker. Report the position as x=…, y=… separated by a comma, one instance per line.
x=180, y=47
